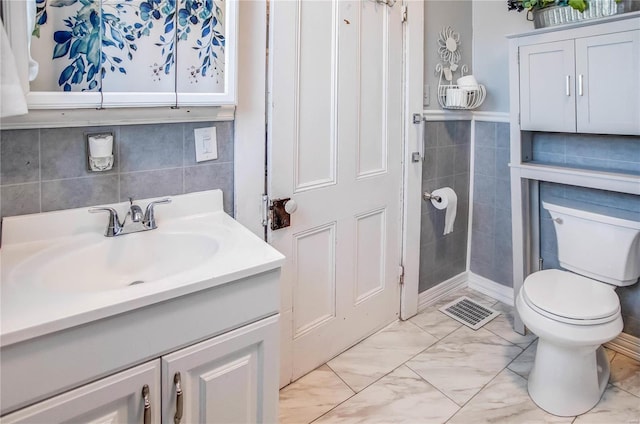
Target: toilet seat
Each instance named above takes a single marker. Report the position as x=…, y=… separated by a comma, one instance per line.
x=570, y=298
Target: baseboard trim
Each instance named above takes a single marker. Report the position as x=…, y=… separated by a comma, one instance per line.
x=626, y=344
x=491, y=288
x=432, y=295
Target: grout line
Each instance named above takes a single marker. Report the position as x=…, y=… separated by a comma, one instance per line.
x=340, y=377
x=40, y=169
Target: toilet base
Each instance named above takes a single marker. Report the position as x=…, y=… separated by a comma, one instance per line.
x=568, y=381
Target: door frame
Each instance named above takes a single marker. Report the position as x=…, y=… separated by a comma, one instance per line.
x=250, y=142
x=413, y=142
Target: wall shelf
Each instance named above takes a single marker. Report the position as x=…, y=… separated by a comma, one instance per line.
x=623, y=183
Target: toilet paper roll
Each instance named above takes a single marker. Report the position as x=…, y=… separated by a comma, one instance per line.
x=448, y=201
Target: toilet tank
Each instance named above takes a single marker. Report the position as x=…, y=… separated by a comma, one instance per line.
x=597, y=242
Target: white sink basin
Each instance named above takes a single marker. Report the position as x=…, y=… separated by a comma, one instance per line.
x=59, y=270
x=116, y=262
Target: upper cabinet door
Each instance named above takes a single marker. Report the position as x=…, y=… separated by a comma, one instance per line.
x=608, y=83
x=127, y=53
x=547, y=97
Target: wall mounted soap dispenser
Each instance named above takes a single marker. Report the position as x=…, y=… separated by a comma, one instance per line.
x=100, y=151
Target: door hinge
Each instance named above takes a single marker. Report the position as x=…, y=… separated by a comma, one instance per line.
x=265, y=210
x=518, y=57
x=518, y=118
x=540, y=264
x=401, y=274
x=404, y=13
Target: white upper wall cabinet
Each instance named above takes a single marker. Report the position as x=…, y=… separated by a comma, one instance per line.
x=582, y=79
x=129, y=53
x=546, y=75
x=608, y=83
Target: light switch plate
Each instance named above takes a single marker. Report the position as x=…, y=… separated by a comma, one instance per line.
x=206, y=143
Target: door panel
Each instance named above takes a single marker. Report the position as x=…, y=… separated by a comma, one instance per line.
x=315, y=256
x=314, y=91
x=335, y=144
x=370, y=254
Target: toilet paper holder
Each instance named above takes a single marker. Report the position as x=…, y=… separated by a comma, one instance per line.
x=428, y=196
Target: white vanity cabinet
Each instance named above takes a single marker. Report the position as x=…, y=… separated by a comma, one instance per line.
x=227, y=379
x=230, y=378
x=582, y=79
x=120, y=398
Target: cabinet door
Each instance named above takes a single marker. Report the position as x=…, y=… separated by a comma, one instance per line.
x=608, y=70
x=232, y=378
x=117, y=399
x=547, y=98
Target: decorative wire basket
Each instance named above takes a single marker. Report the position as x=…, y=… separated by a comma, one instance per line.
x=460, y=98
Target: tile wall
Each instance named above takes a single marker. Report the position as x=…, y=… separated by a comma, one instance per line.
x=46, y=169
x=613, y=153
x=491, y=246
x=446, y=165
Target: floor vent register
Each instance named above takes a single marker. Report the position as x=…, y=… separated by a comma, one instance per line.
x=469, y=312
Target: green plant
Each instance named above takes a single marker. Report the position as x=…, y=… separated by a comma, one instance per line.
x=520, y=5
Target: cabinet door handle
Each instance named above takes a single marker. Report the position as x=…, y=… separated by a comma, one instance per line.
x=179, y=398
x=568, y=85
x=147, y=405
x=580, y=81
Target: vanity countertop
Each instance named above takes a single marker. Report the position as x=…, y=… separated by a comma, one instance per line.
x=34, y=303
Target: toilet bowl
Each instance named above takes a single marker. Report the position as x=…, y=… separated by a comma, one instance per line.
x=574, y=313
x=570, y=370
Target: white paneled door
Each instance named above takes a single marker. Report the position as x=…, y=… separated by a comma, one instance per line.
x=335, y=147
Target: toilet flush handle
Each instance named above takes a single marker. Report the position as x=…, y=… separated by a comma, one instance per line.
x=558, y=220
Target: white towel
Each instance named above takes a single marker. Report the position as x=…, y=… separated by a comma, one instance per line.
x=12, y=99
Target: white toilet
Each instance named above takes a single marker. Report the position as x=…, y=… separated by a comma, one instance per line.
x=573, y=315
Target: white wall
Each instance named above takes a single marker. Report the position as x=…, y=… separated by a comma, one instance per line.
x=491, y=22
x=437, y=15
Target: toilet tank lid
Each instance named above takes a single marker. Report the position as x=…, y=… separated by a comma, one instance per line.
x=593, y=212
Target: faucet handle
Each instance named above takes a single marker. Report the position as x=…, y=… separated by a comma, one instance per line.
x=114, y=227
x=149, y=219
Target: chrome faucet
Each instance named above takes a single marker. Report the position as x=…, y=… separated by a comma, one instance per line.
x=139, y=222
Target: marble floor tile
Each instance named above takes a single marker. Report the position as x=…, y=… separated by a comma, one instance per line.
x=502, y=325
x=380, y=354
x=435, y=322
x=504, y=400
x=625, y=374
x=616, y=406
x=524, y=362
x=463, y=362
x=399, y=397
x=311, y=396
